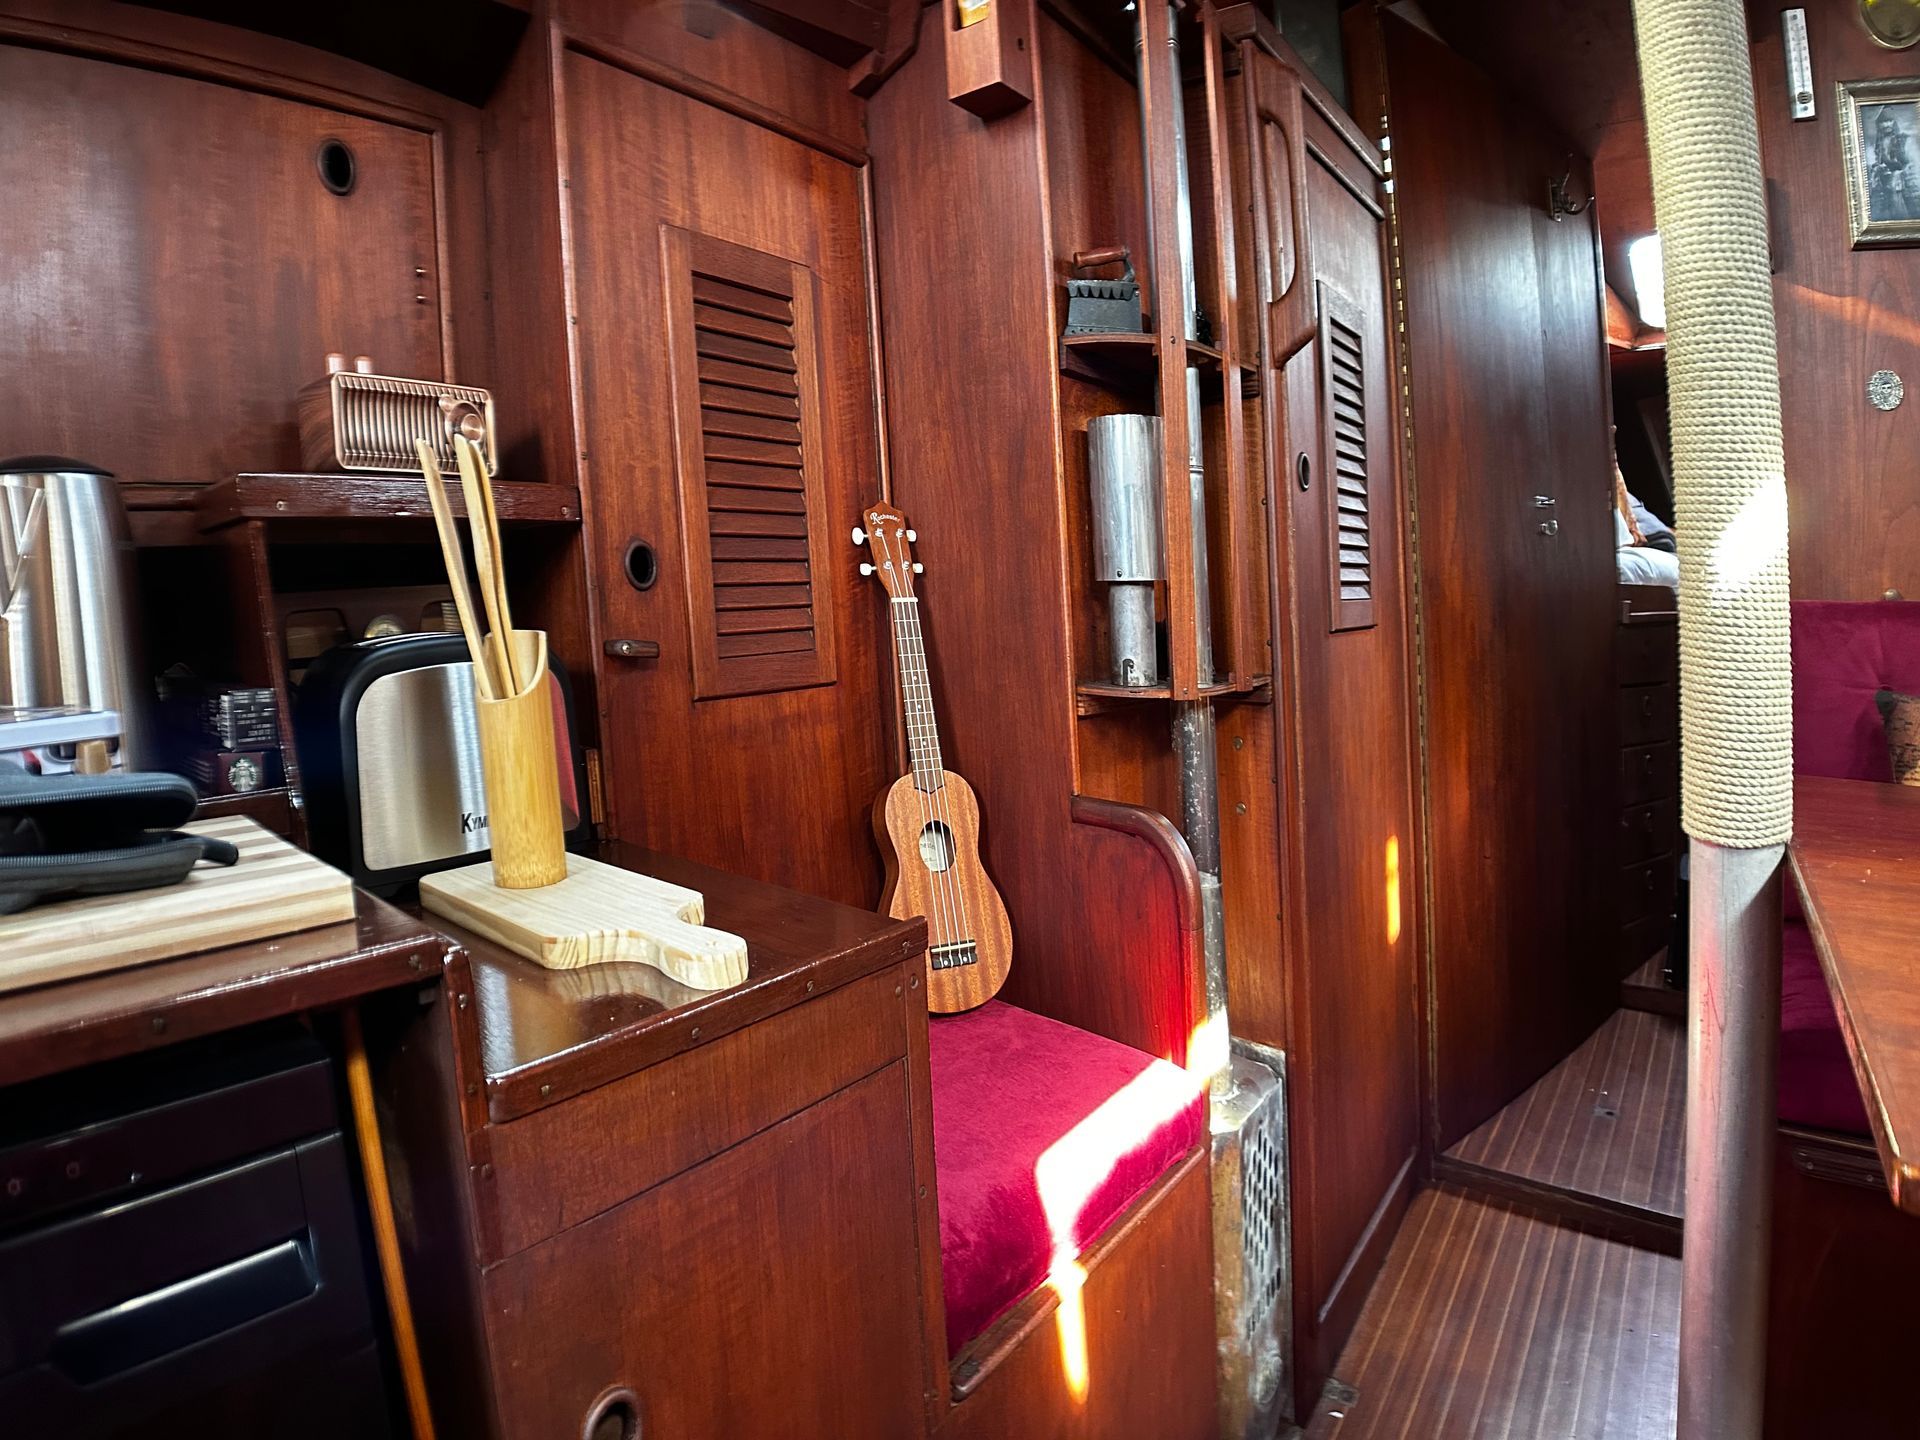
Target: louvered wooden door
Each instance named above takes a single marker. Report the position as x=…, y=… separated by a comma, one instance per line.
x=1348, y=852
x=729, y=438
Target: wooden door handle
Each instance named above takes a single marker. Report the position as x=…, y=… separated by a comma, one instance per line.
x=1279, y=104
x=633, y=649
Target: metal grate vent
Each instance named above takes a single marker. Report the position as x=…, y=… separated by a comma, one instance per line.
x=1263, y=1243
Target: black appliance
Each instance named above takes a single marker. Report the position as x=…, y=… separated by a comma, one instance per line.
x=181, y=1252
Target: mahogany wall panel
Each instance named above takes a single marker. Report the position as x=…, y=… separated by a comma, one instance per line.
x=1509, y=402
x=176, y=272
x=1853, y=491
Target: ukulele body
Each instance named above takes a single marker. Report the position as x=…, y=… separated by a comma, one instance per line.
x=930, y=841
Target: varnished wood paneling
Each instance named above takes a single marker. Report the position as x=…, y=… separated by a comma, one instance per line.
x=671, y=1294
x=1345, y=857
x=177, y=271
x=1489, y=1323
x=775, y=785
x=1508, y=391
x=1130, y=1353
x=711, y=50
x=1609, y=1120
x=1853, y=492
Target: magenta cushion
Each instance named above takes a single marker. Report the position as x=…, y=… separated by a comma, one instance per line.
x=1844, y=651
x=1816, y=1079
x=1042, y=1134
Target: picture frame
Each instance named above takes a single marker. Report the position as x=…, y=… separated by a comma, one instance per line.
x=1880, y=151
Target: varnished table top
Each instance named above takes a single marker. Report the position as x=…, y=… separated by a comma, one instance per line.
x=1856, y=855
x=545, y=1035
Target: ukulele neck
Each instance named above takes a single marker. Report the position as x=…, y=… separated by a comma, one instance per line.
x=916, y=695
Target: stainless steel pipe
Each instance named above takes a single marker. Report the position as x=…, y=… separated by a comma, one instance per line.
x=1123, y=480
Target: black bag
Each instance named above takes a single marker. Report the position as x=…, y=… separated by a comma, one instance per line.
x=63, y=835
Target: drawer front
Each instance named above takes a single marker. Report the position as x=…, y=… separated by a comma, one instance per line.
x=771, y=1292
x=564, y=1164
x=1646, y=654
x=1649, y=713
x=1646, y=890
x=1646, y=831
x=1649, y=772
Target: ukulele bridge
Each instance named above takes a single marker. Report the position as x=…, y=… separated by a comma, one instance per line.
x=952, y=953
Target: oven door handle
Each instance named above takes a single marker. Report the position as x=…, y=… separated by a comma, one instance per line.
x=149, y=1327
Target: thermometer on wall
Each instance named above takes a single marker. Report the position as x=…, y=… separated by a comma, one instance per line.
x=1793, y=26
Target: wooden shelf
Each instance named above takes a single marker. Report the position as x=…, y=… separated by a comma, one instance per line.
x=372, y=497
x=1097, y=697
x=1129, y=361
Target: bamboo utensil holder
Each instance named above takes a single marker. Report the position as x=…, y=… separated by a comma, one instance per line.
x=517, y=756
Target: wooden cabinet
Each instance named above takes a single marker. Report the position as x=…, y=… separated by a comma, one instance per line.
x=770, y=1291
x=712, y=1214
x=1347, y=844
x=1646, y=664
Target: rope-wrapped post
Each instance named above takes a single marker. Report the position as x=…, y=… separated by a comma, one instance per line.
x=1735, y=699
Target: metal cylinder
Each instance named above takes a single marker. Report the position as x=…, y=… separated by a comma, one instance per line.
x=1123, y=475
x=67, y=631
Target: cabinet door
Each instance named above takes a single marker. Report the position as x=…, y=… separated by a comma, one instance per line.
x=726, y=388
x=1347, y=768
x=771, y=1292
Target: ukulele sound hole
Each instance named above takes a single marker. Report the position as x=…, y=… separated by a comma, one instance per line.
x=936, y=846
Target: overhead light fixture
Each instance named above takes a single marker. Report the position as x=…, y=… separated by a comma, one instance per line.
x=1649, y=281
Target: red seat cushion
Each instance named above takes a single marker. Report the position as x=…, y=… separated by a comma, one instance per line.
x=1042, y=1134
x=1816, y=1079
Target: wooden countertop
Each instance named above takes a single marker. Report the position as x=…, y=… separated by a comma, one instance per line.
x=120, y=1012
x=549, y=1034
x=1856, y=856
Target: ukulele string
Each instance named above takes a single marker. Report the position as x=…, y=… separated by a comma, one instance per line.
x=943, y=882
x=940, y=884
x=940, y=804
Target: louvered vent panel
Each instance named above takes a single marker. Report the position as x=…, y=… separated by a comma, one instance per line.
x=1343, y=368
x=750, y=386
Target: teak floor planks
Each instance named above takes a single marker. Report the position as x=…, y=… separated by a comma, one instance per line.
x=1609, y=1120
x=1488, y=1324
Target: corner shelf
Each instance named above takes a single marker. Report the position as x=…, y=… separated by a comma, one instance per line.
x=279, y=496
x=1097, y=698
x=1128, y=360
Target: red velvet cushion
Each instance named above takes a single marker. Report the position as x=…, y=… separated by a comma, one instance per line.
x=1042, y=1134
x=1816, y=1079
x=1844, y=651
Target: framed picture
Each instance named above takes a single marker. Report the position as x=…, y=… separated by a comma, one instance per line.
x=1880, y=146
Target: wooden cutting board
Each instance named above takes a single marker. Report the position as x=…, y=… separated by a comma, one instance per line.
x=274, y=890
x=599, y=913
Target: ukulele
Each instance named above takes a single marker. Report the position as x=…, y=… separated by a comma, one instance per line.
x=928, y=821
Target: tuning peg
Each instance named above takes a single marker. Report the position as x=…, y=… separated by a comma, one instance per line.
x=918, y=568
x=913, y=537
x=866, y=569
x=859, y=536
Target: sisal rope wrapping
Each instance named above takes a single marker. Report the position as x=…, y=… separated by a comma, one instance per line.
x=1724, y=380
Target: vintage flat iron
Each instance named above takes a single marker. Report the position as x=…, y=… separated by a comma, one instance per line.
x=1098, y=306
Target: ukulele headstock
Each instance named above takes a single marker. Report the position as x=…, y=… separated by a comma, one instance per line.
x=887, y=538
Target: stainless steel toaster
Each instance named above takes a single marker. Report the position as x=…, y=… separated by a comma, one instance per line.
x=390, y=760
